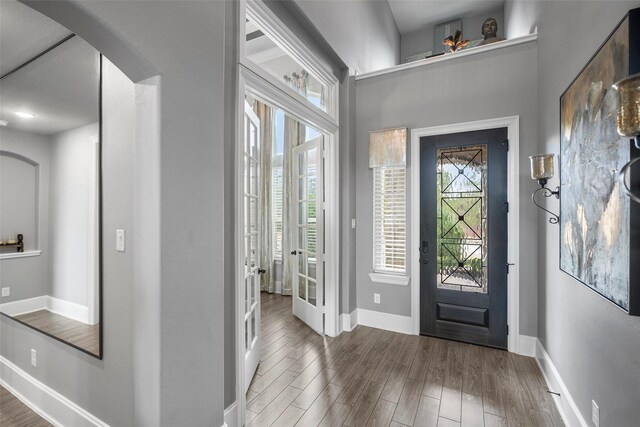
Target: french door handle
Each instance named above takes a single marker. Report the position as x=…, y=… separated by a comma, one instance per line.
x=294, y=252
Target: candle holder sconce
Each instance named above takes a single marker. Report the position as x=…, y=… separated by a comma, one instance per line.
x=628, y=124
x=542, y=171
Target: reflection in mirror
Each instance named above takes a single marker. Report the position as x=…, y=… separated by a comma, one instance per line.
x=49, y=179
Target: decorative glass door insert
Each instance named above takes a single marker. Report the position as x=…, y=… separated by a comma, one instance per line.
x=462, y=218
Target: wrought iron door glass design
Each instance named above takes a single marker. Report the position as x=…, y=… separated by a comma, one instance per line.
x=462, y=218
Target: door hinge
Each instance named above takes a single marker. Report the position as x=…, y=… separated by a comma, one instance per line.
x=508, y=265
x=506, y=144
x=507, y=205
x=507, y=329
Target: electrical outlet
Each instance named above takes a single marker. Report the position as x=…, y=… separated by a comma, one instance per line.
x=6, y=291
x=595, y=413
x=376, y=298
x=120, y=240
x=34, y=358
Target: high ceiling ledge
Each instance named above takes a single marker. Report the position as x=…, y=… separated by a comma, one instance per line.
x=452, y=56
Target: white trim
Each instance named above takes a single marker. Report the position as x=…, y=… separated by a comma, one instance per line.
x=512, y=124
x=68, y=309
x=64, y=308
x=389, y=279
x=385, y=321
x=24, y=306
x=526, y=345
x=447, y=57
x=348, y=321
x=25, y=254
x=256, y=83
x=93, y=231
x=51, y=405
x=231, y=418
x=566, y=405
x=282, y=36
x=258, y=86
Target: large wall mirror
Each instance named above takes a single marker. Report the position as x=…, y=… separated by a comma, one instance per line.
x=50, y=179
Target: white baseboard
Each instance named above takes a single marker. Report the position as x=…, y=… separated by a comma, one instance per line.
x=45, y=302
x=232, y=416
x=386, y=321
x=348, y=321
x=526, y=345
x=565, y=403
x=46, y=402
x=16, y=308
x=68, y=309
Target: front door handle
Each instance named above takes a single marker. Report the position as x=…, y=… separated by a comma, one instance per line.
x=261, y=271
x=294, y=252
x=424, y=250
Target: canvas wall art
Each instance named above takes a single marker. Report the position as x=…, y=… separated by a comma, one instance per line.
x=596, y=239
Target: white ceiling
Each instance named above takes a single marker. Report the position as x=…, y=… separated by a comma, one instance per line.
x=60, y=88
x=414, y=15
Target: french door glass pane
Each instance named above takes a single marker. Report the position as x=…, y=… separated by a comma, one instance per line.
x=462, y=218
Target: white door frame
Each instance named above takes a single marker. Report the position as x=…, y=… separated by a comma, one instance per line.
x=512, y=124
x=250, y=83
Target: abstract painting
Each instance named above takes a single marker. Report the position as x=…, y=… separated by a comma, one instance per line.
x=595, y=217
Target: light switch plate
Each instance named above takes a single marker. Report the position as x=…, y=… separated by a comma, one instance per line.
x=376, y=298
x=120, y=240
x=6, y=291
x=34, y=358
x=354, y=223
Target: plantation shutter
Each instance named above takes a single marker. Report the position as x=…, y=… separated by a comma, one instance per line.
x=276, y=208
x=389, y=219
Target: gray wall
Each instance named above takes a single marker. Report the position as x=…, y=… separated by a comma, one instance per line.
x=363, y=33
x=422, y=41
x=494, y=84
x=69, y=213
x=183, y=42
x=97, y=386
x=593, y=344
x=27, y=277
x=347, y=195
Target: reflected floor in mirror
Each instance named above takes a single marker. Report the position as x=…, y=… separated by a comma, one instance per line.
x=371, y=377
x=86, y=337
x=14, y=413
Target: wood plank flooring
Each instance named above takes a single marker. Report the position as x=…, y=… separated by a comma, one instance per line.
x=14, y=413
x=369, y=377
x=77, y=333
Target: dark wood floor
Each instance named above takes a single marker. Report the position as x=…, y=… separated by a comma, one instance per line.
x=371, y=377
x=14, y=413
x=77, y=333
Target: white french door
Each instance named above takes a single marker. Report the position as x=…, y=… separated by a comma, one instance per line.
x=307, y=237
x=252, y=270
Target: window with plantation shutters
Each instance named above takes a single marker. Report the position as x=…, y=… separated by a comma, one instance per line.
x=389, y=220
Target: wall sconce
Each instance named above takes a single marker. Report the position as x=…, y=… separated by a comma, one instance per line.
x=628, y=123
x=542, y=171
